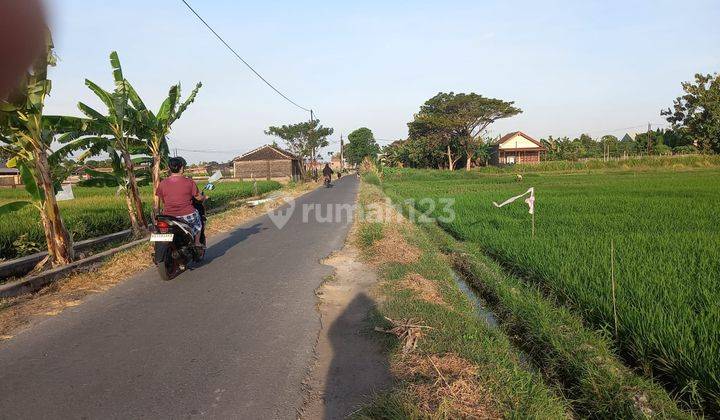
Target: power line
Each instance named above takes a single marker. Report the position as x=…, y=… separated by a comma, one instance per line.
x=241, y=59
x=626, y=128
x=209, y=151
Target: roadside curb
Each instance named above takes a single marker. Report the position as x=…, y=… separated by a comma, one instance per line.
x=23, y=265
x=36, y=282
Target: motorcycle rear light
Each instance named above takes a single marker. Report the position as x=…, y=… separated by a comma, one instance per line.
x=162, y=226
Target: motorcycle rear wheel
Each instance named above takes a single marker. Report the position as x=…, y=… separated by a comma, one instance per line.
x=169, y=267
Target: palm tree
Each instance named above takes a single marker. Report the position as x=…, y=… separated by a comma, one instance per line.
x=115, y=126
x=27, y=135
x=154, y=128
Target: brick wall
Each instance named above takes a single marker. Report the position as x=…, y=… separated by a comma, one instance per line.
x=9, y=180
x=263, y=169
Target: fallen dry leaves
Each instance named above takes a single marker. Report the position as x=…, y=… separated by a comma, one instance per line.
x=406, y=330
x=425, y=289
x=446, y=384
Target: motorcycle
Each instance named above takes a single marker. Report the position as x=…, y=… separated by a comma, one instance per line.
x=327, y=179
x=174, y=244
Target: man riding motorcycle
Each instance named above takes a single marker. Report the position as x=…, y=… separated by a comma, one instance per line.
x=327, y=173
x=176, y=193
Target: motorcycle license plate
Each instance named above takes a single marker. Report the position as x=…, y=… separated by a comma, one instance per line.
x=161, y=237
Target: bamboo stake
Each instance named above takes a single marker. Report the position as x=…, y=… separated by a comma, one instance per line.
x=612, y=280
x=533, y=225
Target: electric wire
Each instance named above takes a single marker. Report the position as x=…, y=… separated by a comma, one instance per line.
x=241, y=59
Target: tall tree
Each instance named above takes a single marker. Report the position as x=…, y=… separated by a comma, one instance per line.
x=116, y=126
x=361, y=143
x=698, y=111
x=456, y=122
x=396, y=154
x=28, y=135
x=304, y=139
x=155, y=127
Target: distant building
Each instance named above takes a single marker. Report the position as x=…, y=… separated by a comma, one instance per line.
x=335, y=162
x=628, y=138
x=516, y=147
x=9, y=177
x=197, y=171
x=267, y=162
x=226, y=169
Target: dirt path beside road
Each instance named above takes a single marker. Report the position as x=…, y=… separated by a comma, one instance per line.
x=351, y=365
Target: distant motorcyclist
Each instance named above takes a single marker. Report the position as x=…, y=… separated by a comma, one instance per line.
x=327, y=171
x=327, y=175
x=177, y=192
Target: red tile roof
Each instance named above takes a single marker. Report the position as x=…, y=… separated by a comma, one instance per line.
x=508, y=136
x=267, y=152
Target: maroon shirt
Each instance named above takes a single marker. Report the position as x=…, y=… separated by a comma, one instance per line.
x=177, y=193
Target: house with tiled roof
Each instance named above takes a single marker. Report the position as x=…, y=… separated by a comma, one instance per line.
x=8, y=176
x=516, y=147
x=267, y=162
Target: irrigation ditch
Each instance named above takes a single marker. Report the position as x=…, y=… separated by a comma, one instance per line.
x=580, y=363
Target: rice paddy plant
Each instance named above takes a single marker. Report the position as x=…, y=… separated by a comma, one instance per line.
x=98, y=211
x=667, y=256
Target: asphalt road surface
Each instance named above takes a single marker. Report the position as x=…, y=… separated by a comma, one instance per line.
x=231, y=338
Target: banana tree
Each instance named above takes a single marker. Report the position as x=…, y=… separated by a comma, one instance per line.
x=115, y=127
x=93, y=146
x=117, y=177
x=155, y=127
x=26, y=136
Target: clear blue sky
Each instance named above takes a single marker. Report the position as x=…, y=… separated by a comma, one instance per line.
x=572, y=66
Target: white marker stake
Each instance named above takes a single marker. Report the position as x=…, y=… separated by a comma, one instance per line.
x=612, y=280
x=530, y=202
x=65, y=194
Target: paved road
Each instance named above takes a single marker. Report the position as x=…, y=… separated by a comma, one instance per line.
x=232, y=338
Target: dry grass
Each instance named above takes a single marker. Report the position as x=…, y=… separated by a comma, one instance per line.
x=445, y=386
x=393, y=248
x=19, y=312
x=425, y=289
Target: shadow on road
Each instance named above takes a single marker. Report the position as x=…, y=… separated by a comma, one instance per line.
x=359, y=368
x=219, y=249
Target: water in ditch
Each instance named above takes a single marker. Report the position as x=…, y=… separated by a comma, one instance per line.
x=486, y=314
x=478, y=304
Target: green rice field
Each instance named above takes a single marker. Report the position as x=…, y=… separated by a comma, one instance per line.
x=665, y=226
x=95, y=212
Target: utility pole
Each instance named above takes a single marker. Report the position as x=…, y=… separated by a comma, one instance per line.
x=649, y=141
x=312, y=150
x=342, y=152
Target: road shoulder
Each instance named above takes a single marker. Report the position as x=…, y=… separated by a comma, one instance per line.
x=350, y=365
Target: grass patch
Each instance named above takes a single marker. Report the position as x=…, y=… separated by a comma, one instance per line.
x=369, y=233
x=96, y=212
x=577, y=360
